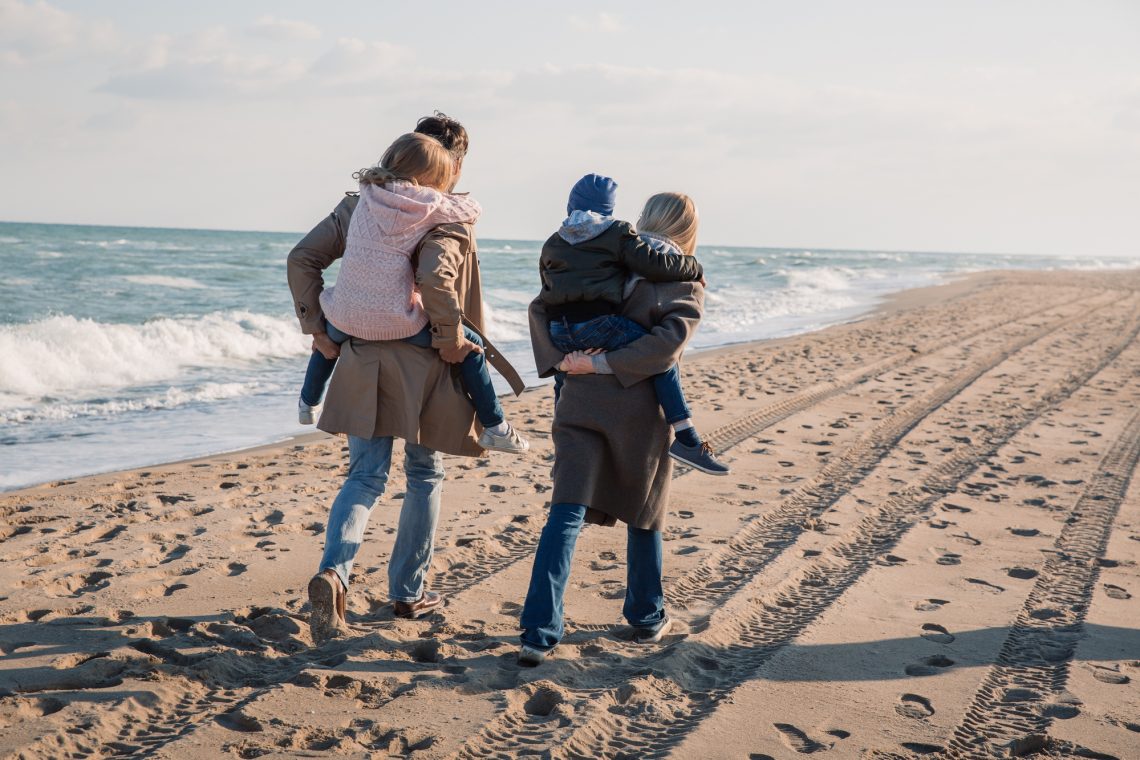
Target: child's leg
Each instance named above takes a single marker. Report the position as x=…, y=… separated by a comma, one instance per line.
x=671, y=396
x=617, y=332
x=320, y=369
x=477, y=382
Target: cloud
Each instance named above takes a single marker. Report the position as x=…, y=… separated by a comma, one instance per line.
x=279, y=29
x=605, y=23
x=33, y=32
x=355, y=60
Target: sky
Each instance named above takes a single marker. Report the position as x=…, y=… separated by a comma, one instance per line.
x=992, y=126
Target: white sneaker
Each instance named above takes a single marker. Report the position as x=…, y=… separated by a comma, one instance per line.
x=509, y=442
x=529, y=657
x=306, y=415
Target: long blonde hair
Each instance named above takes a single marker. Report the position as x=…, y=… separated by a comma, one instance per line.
x=414, y=158
x=674, y=216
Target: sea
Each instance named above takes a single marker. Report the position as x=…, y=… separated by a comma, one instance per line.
x=125, y=347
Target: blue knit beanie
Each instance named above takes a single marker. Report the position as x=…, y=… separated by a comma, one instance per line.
x=593, y=193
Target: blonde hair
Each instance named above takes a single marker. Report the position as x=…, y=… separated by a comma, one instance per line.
x=414, y=158
x=671, y=215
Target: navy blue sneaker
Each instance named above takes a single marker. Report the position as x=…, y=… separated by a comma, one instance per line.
x=698, y=457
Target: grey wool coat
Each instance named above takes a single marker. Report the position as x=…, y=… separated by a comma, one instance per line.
x=611, y=441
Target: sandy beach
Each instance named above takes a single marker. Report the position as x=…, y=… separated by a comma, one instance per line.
x=927, y=547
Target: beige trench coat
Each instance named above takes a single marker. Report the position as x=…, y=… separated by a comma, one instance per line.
x=611, y=441
x=391, y=388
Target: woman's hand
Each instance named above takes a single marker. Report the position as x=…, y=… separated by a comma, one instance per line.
x=579, y=362
x=323, y=343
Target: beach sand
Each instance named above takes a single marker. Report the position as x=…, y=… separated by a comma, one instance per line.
x=927, y=547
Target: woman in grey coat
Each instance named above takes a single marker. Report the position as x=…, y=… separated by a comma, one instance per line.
x=611, y=441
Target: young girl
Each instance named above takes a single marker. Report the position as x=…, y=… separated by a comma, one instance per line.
x=579, y=276
x=401, y=200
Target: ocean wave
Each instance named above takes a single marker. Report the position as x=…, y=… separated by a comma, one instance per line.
x=164, y=281
x=172, y=398
x=504, y=325
x=68, y=358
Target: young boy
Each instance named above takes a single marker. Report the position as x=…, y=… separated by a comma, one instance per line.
x=584, y=269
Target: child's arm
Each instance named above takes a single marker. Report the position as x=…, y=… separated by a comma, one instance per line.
x=641, y=258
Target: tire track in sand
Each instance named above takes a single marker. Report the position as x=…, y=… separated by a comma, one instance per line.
x=1012, y=709
x=629, y=721
x=517, y=542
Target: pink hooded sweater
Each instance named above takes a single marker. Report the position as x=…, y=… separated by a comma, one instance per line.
x=375, y=297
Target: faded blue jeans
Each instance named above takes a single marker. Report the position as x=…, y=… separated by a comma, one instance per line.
x=369, y=460
x=542, y=613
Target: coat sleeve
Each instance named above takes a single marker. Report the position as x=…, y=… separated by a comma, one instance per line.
x=641, y=258
x=546, y=356
x=656, y=352
x=439, y=259
x=310, y=258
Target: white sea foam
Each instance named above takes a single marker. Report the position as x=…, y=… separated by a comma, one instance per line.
x=504, y=325
x=73, y=359
x=49, y=254
x=164, y=281
x=171, y=398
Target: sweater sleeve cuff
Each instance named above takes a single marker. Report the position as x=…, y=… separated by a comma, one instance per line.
x=601, y=366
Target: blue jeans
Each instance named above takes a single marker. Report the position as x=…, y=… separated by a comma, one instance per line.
x=610, y=333
x=473, y=373
x=542, y=613
x=368, y=462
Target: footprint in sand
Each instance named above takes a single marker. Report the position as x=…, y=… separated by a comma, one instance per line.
x=914, y=706
x=928, y=666
x=986, y=585
x=949, y=558
x=1116, y=592
x=1110, y=675
x=236, y=568
x=1024, y=532
x=930, y=605
x=936, y=633
x=1021, y=573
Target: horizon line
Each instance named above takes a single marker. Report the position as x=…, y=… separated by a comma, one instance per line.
x=532, y=240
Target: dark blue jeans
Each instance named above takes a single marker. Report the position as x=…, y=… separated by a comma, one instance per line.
x=473, y=373
x=542, y=613
x=610, y=333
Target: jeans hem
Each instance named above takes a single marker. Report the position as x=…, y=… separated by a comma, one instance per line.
x=343, y=580
x=544, y=650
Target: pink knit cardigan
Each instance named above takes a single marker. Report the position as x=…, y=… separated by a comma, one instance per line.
x=375, y=297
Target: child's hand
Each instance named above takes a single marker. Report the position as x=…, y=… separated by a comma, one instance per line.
x=323, y=343
x=456, y=354
x=578, y=363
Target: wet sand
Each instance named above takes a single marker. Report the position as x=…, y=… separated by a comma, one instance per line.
x=928, y=547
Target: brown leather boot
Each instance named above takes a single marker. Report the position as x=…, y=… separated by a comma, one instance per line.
x=326, y=600
x=417, y=609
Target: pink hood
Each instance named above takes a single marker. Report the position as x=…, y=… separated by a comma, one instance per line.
x=402, y=209
x=374, y=297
